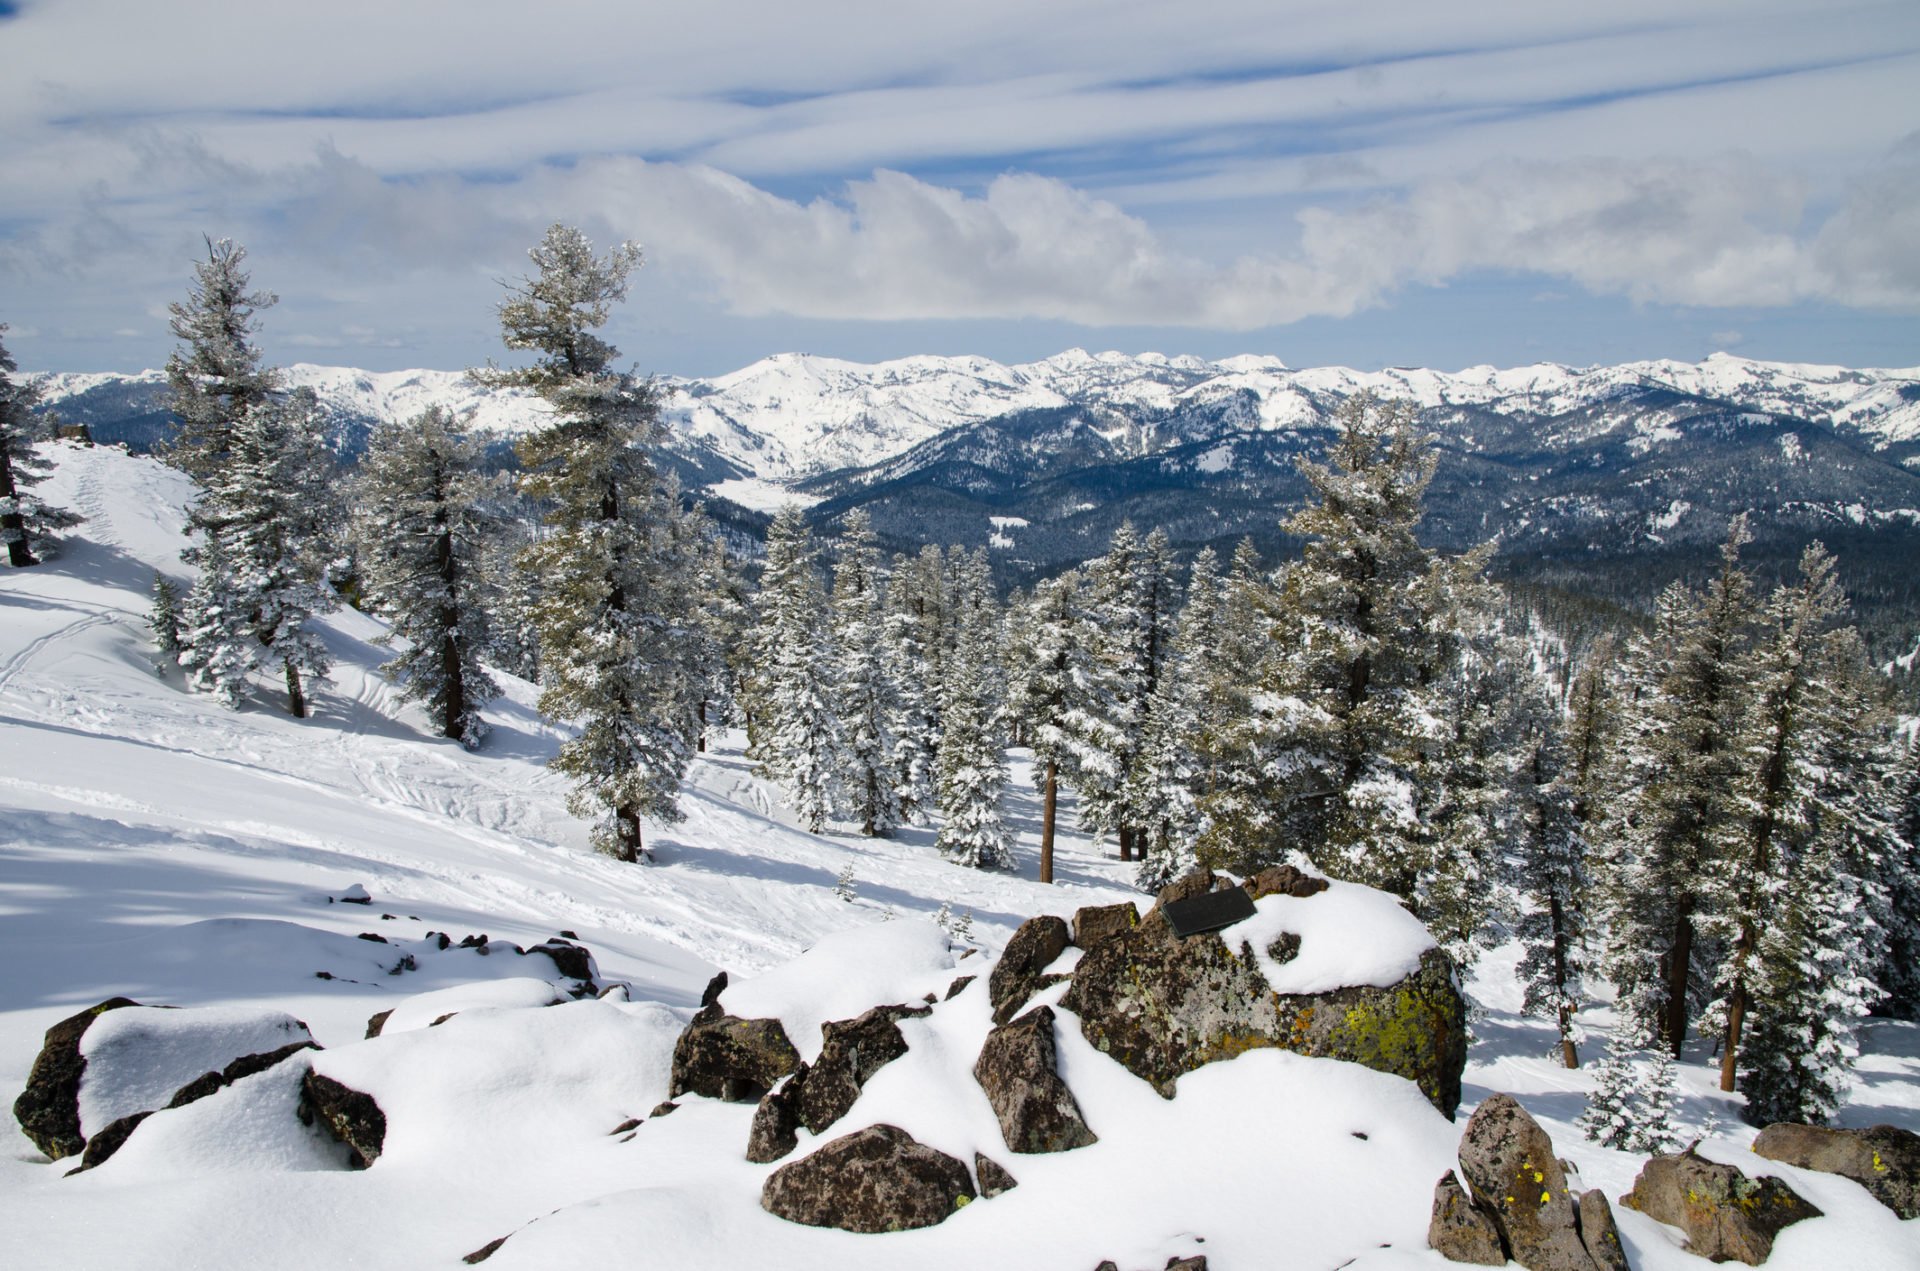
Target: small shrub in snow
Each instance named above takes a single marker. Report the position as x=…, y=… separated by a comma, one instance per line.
x=843, y=885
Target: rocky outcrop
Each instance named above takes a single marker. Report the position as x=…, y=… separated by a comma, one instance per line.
x=48, y=1110
x=349, y=1115
x=820, y=1093
x=1284, y=880
x=1726, y=1215
x=573, y=961
x=102, y=1146
x=1095, y=923
x=1598, y=1233
x=1885, y=1159
x=724, y=1057
x=1162, y=1006
x=1509, y=1163
x=1461, y=1231
x=877, y=1179
x=1021, y=968
x=1017, y=1069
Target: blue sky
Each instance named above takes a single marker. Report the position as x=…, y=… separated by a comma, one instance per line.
x=1374, y=184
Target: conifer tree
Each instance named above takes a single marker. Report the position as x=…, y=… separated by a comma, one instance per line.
x=25, y=519
x=798, y=740
x=1552, y=871
x=913, y=605
x=215, y=376
x=164, y=620
x=612, y=635
x=1899, y=972
x=424, y=535
x=1679, y=766
x=217, y=649
x=864, y=689
x=721, y=619
x=1042, y=691
x=973, y=768
x=1608, y=1116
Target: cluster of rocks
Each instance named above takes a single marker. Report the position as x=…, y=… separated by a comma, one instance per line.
x=1520, y=1208
x=1157, y=1003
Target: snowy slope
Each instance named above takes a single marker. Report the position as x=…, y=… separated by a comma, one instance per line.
x=155, y=845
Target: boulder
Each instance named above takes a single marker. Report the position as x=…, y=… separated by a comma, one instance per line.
x=1018, y=973
x=48, y=1110
x=350, y=1116
x=1095, y=923
x=1162, y=1006
x=1017, y=1069
x=820, y=1093
x=1508, y=1161
x=1885, y=1159
x=245, y=1066
x=1598, y=1233
x=573, y=962
x=992, y=1176
x=377, y=1021
x=1284, y=880
x=1726, y=1215
x=1459, y=1230
x=873, y=1180
x=102, y=1146
x=776, y=1122
x=724, y=1057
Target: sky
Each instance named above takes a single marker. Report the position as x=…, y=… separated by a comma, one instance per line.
x=1365, y=184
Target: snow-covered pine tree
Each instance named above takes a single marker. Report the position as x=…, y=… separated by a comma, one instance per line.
x=721, y=625
x=25, y=519
x=911, y=667
x=164, y=620
x=973, y=767
x=1608, y=1118
x=1652, y=1107
x=1550, y=867
x=864, y=691
x=424, y=534
x=797, y=738
x=1678, y=767
x=612, y=633
x=1899, y=972
x=1040, y=688
x=1159, y=791
x=215, y=375
x=217, y=648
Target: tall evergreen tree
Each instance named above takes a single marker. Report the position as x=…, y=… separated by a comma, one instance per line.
x=1551, y=866
x=216, y=377
x=1680, y=763
x=25, y=519
x=424, y=535
x=612, y=637
x=915, y=605
x=864, y=689
x=1899, y=972
x=1041, y=692
x=973, y=768
x=798, y=739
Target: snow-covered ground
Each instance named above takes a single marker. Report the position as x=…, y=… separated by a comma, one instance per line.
x=155, y=845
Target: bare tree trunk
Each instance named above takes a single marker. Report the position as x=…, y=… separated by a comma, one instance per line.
x=702, y=745
x=296, y=700
x=1048, y=802
x=1126, y=842
x=626, y=825
x=1679, y=970
x=13, y=526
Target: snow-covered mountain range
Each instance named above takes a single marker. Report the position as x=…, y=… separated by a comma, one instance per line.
x=796, y=415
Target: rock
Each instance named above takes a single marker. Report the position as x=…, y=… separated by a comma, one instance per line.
x=664, y=1109
x=48, y=1110
x=1284, y=880
x=876, y=1179
x=484, y=1252
x=1885, y=1159
x=959, y=984
x=1095, y=923
x=1726, y=1215
x=1161, y=1006
x=572, y=961
x=1459, y=1230
x=715, y=987
x=992, y=1176
x=102, y=1146
x=850, y=1053
x=724, y=1057
x=1196, y=882
x=1509, y=1162
x=1198, y=1262
x=776, y=1122
x=1016, y=1068
x=1597, y=1232
x=377, y=1021
x=1015, y=977
x=245, y=1066
x=347, y=1114
x=625, y=1127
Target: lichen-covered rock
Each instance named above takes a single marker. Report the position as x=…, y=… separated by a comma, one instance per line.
x=877, y=1179
x=1459, y=1230
x=1509, y=1163
x=1018, y=973
x=1726, y=1215
x=1094, y=923
x=1017, y=1069
x=851, y=1051
x=48, y=1110
x=573, y=961
x=776, y=1122
x=1598, y=1233
x=724, y=1057
x=1161, y=1006
x=349, y=1115
x=1885, y=1159
x=1284, y=880
x=992, y=1177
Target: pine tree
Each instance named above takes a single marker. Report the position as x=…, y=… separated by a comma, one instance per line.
x=973, y=768
x=1041, y=690
x=25, y=520
x=914, y=601
x=1608, y=1118
x=215, y=375
x=798, y=739
x=1552, y=870
x=1899, y=972
x=424, y=535
x=720, y=625
x=164, y=620
x=1679, y=766
x=864, y=689
x=612, y=634
x=1652, y=1106
x=217, y=648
